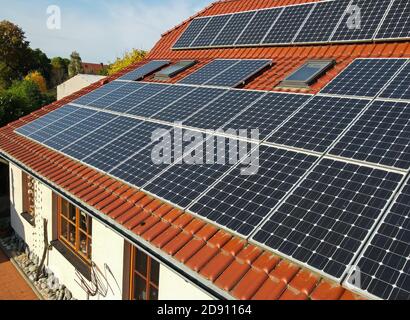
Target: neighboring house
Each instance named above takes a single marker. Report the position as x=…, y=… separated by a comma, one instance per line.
x=93, y=68
x=146, y=245
x=75, y=84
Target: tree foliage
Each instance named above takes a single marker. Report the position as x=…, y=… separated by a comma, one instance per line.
x=126, y=60
x=14, y=53
x=59, y=71
x=75, y=67
x=37, y=78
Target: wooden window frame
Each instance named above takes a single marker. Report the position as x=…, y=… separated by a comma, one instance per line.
x=75, y=248
x=28, y=198
x=149, y=284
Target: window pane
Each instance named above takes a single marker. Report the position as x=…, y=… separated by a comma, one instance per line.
x=64, y=208
x=141, y=262
x=71, y=212
x=64, y=229
x=83, y=221
x=71, y=234
x=153, y=294
x=83, y=243
x=154, y=272
x=89, y=247
x=90, y=225
x=140, y=289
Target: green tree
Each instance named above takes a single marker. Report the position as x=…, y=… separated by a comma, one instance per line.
x=76, y=65
x=59, y=72
x=14, y=53
x=126, y=60
x=41, y=63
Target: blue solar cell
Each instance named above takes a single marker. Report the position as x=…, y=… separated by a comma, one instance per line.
x=233, y=29
x=288, y=24
x=224, y=109
x=364, y=77
x=158, y=102
x=64, y=123
x=46, y=120
x=189, y=35
x=188, y=105
x=145, y=70
x=98, y=93
x=318, y=123
x=268, y=113
x=399, y=88
x=240, y=202
x=361, y=21
x=113, y=96
x=385, y=265
x=208, y=72
x=210, y=31
x=327, y=218
x=381, y=135
x=261, y=23
x=397, y=22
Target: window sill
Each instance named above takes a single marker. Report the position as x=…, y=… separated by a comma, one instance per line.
x=78, y=263
x=29, y=218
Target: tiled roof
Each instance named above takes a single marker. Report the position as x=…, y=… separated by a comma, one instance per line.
x=225, y=262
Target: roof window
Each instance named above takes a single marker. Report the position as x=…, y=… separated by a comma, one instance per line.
x=307, y=74
x=172, y=71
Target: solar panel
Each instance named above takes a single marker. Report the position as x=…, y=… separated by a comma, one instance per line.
x=361, y=21
x=182, y=183
x=88, y=143
x=318, y=123
x=399, y=88
x=381, y=136
x=288, y=24
x=114, y=96
x=364, y=77
x=46, y=120
x=269, y=112
x=240, y=202
x=233, y=29
x=219, y=112
x=385, y=265
x=140, y=168
x=67, y=132
x=322, y=21
x=261, y=23
x=211, y=31
x=397, y=22
x=239, y=73
x=172, y=71
x=130, y=101
x=183, y=108
x=189, y=35
x=123, y=147
x=160, y=101
x=326, y=219
x=145, y=70
x=208, y=72
x=98, y=93
x=58, y=126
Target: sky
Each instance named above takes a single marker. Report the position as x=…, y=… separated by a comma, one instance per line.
x=100, y=30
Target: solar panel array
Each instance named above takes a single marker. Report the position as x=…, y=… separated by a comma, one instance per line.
x=364, y=77
x=385, y=264
x=226, y=73
x=325, y=21
x=313, y=186
x=144, y=70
